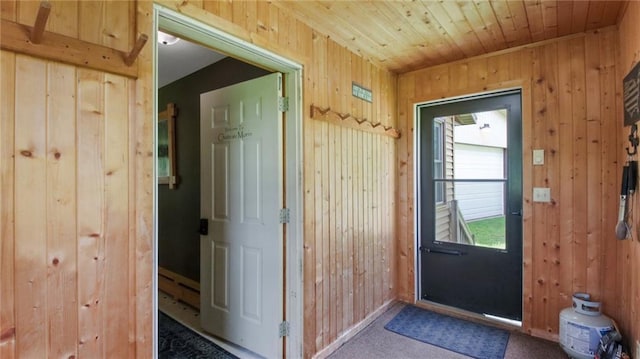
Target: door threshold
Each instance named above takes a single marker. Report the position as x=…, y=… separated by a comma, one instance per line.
x=503, y=323
x=512, y=322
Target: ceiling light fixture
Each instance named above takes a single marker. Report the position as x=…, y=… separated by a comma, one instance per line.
x=166, y=39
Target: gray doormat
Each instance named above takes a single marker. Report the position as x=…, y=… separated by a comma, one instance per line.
x=475, y=340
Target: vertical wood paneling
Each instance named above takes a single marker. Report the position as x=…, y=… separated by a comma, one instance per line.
x=540, y=273
x=8, y=10
x=579, y=108
x=309, y=242
x=568, y=241
x=343, y=242
x=325, y=239
x=594, y=165
x=91, y=15
x=133, y=262
x=61, y=211
x=318, y=254
x=526, y=58
x=338, y=251
x=366, y=224
x=91, y=203
x=611, y=156
x=142, y=181
x=30, y=211
x=7, y=193
x=566, y=175
x=552, y=180
x=332, y=52
x=63, y=18
x=628, y=252
x=107, y=23
x=69, y=289
x=358, y=228
x=116, y=167
x=404, y=222
x=26, y=11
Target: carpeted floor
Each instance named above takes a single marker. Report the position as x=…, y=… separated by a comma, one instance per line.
x=375, y=342
x=175, y=341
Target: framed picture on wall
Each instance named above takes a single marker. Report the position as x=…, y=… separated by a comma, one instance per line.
x=631, y=96
x=166, y=167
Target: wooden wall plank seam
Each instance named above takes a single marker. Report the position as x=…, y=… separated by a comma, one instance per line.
x=91, y=203
x=61, y=208
x=116, y=167
x=142, y=180
x=30, y=219
x=7, y=198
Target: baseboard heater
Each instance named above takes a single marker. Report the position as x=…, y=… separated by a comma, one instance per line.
x=179, y=287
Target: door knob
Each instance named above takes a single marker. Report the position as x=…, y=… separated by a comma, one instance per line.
x=204, y=227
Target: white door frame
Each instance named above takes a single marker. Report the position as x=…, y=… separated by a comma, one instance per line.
x=190, y=28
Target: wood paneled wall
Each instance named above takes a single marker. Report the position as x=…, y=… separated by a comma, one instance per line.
x=629, y=251
x=349, y=177
x=76, y=160
x=71, y=208
x=571, y=98
x=76, y=193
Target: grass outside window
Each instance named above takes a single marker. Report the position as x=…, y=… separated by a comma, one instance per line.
x=489, y=232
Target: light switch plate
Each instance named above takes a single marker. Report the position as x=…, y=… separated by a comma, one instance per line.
x=538, y=157
x=541, y=194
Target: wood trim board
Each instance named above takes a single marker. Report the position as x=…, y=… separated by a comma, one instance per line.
x=16, y=37
x=347, y=120
x=179, y=287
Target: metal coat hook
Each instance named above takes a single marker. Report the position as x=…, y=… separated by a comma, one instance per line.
x=633, y=139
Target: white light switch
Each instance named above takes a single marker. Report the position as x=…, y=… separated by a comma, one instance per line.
x=538, y=157
x=541, y=194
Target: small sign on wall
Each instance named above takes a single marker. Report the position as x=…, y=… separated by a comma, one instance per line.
x=361, y=92
x=631, y=96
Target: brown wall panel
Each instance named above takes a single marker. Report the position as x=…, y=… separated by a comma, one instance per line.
x=62, y=209
x=570, y=94
x=628, y=254
x=29, y=209
x=70, y=290
x=7, y=193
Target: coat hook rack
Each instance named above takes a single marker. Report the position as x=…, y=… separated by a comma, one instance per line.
x=41, y=22
x=633, y=139
x=131, y=57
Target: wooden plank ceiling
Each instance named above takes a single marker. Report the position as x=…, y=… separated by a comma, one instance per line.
x=402, y=36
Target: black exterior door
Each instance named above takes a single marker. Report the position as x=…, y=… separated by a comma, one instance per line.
x=470, y=204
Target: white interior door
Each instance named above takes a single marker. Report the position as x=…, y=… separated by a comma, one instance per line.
x=241, y=196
